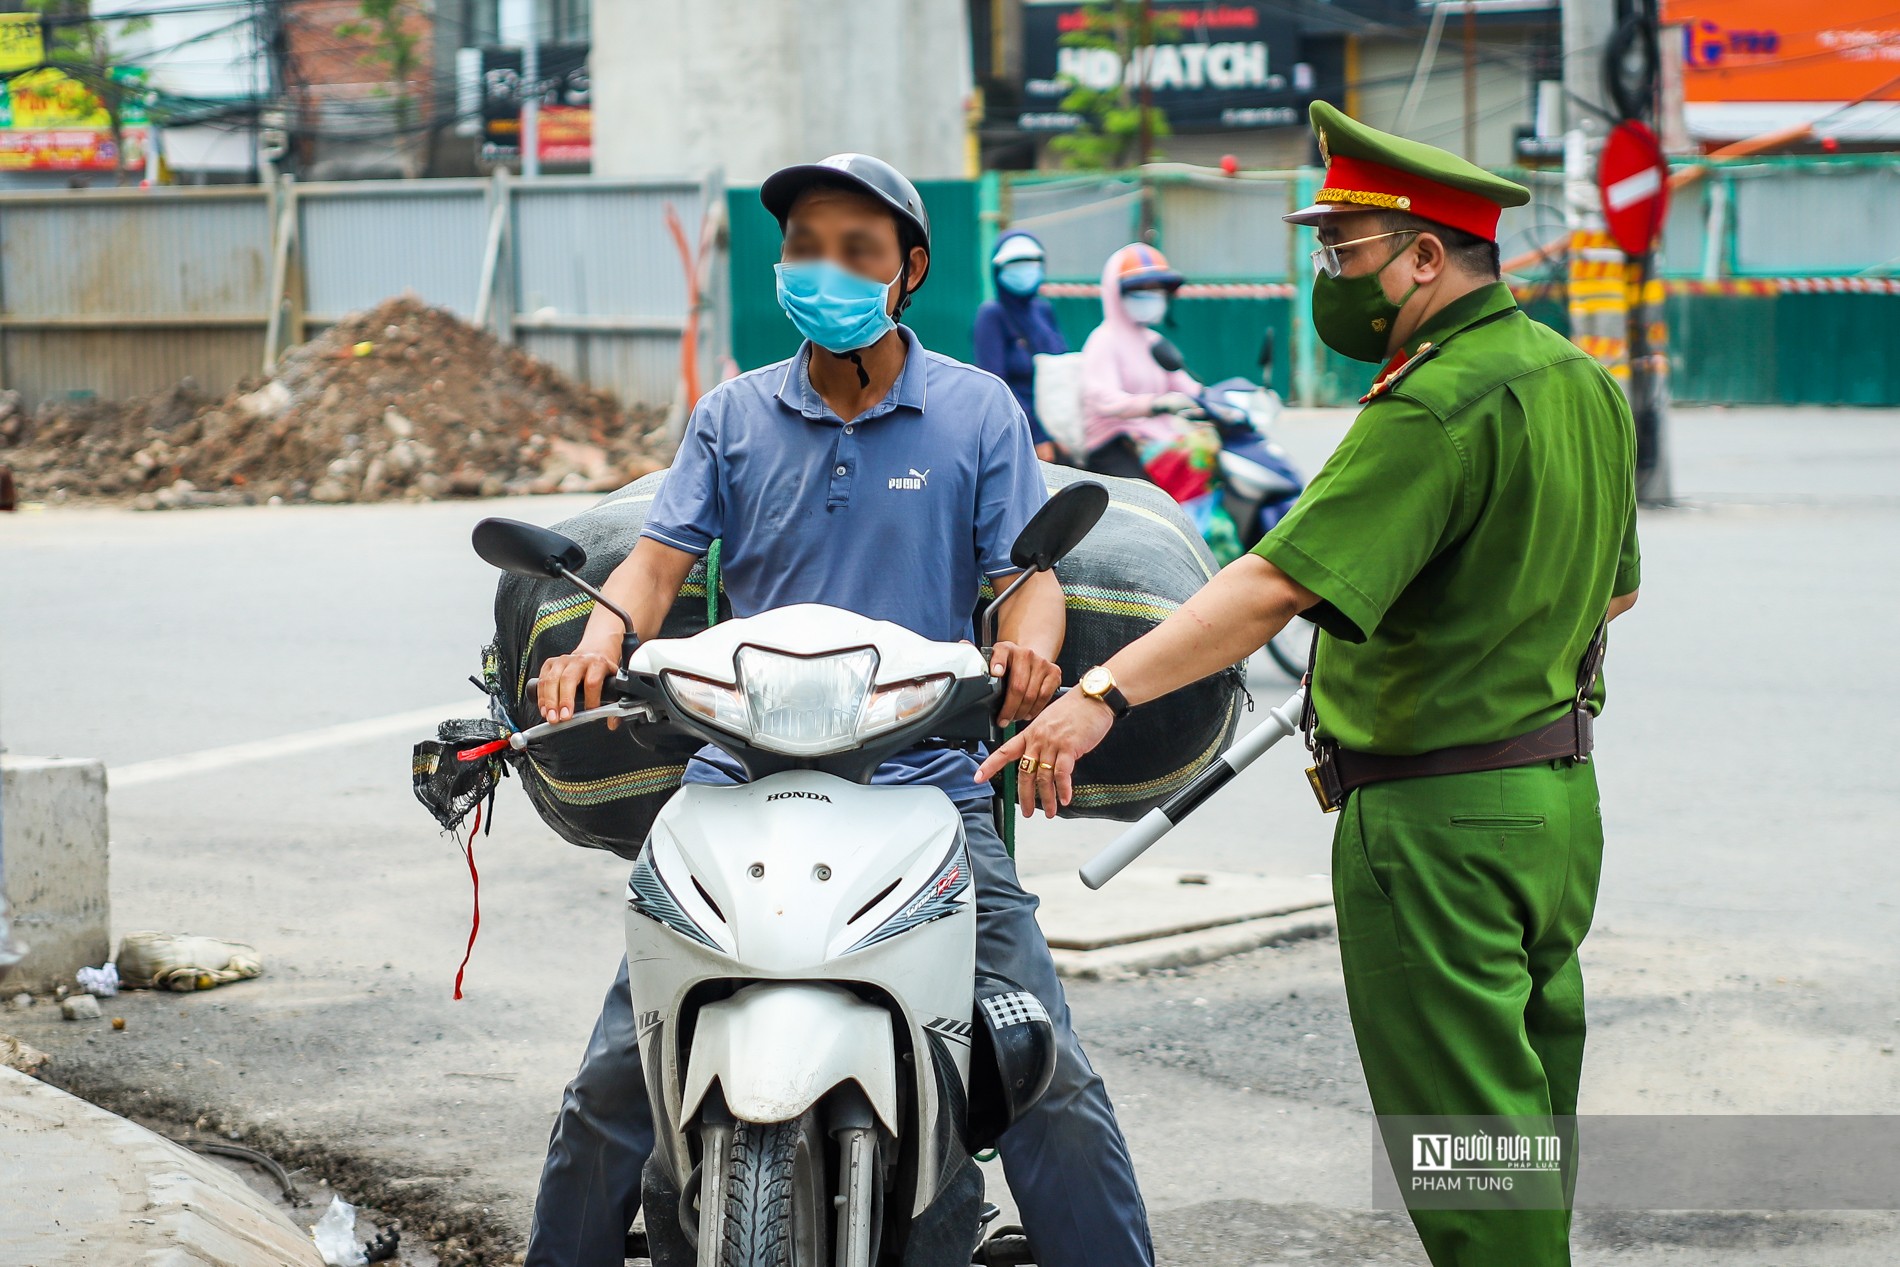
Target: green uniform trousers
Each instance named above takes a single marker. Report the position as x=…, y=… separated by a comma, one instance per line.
x=1461, y=902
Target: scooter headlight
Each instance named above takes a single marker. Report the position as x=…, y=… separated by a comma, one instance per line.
x=806, y=706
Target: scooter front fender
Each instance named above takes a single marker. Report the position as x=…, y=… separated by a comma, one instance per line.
x=774, y=1050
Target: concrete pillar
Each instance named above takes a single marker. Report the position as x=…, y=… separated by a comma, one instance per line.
x=56, y=865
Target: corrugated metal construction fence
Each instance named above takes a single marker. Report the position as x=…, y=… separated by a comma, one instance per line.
x=116, y=292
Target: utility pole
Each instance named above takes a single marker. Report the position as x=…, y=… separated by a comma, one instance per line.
x=1601, y=276
x=530, y=134
x=1142, y=58
x=1471, y=82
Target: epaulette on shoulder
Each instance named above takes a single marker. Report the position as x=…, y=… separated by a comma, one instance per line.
x=1394, y=376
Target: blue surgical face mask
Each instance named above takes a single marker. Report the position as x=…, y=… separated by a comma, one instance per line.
x=834, y=307
x=1145, y=307
x=1020, y=277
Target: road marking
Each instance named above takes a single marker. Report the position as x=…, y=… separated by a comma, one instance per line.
x=420, y=721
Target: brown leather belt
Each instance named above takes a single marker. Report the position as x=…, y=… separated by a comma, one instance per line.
x=1559, y=741
x=1337, y=772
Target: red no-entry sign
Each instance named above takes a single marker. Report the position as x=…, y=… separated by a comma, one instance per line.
x=1633, y=177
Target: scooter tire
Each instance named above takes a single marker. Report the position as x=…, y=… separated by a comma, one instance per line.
x=1009, y=1247
x=777, y=1209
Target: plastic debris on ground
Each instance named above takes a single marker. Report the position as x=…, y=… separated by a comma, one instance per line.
x=101, y=983
x=335, y=1235
x=181, y=962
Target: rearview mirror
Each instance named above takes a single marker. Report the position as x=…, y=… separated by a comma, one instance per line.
x=1167, y=356
x=1059, y=526
x=527, y=550
x=1047, y=538
x=542, y=553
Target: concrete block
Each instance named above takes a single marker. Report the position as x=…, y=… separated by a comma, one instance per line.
x=87, y=1189
x=54, y=817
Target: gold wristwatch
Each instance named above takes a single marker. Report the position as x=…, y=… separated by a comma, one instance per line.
x=1099, y=684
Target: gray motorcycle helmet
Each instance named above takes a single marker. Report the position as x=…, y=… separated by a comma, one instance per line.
x=1012, y=1057
x=862, y=172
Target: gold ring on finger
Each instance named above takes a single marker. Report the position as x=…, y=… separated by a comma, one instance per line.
x=1026, y=765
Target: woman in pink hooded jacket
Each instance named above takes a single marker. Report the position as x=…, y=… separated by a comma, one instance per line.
x=1130, y=405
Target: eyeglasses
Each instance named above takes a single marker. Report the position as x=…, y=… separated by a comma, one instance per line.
x=1326, y=260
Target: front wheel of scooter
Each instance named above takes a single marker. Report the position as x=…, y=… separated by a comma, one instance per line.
x=770, y=1205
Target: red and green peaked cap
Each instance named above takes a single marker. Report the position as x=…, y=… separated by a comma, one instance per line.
x=1370, y=170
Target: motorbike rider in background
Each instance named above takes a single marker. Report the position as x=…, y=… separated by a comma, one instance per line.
x=1137, y=414
x=1017, y=325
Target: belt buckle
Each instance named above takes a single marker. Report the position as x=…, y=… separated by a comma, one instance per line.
x=1323, y=777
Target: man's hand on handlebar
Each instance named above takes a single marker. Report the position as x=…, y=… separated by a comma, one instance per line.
x=1031, y=680
x=575, y=678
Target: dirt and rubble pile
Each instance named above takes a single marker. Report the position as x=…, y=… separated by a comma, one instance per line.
x=401, y=402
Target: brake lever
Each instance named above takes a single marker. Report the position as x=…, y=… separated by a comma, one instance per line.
x=638, y=712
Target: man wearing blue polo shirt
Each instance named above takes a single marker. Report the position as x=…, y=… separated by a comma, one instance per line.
x=872, y=475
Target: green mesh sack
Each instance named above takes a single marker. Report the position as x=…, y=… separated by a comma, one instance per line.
x=1142, y=561
x=595, y=787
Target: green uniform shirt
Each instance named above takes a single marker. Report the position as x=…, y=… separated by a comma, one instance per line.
x=1467, y=536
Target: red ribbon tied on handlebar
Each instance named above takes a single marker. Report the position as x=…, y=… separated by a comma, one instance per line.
x=480, y=751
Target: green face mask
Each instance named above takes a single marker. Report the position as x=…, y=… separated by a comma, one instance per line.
x=1352, y=315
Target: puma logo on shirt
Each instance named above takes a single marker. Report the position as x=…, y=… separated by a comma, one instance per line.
x=915, y=480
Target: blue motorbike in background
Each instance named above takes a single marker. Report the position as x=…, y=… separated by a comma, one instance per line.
x=1258, y=482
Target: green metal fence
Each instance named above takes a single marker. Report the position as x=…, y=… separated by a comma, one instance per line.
x=1221, y=338
x=1735, y=336
x=942, y=312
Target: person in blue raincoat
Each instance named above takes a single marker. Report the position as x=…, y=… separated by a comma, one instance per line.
x=1016, y=325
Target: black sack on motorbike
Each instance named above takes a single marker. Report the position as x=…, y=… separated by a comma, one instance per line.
x=1142, y=561
x=595, y=787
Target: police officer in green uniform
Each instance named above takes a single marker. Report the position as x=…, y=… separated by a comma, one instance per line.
x=1462, y=552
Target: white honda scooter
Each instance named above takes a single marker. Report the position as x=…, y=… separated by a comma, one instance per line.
x=821, y=1056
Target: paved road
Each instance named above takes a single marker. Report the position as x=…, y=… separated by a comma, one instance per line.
x=1742, y=962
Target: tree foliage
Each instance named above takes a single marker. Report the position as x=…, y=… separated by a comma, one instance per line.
x=393, y=44
x=1109, y=135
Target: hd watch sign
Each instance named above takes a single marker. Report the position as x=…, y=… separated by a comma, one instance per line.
x=1211, y=68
